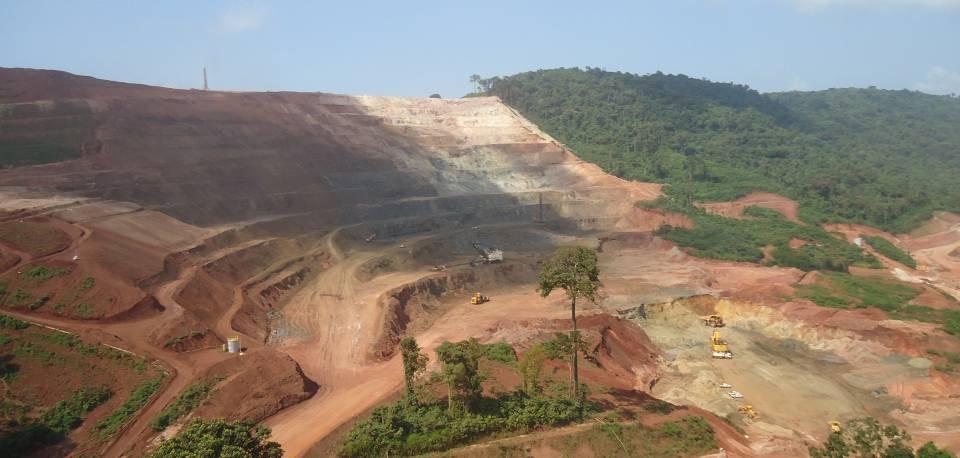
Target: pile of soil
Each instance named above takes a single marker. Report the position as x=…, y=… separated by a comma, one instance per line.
x=257, y=384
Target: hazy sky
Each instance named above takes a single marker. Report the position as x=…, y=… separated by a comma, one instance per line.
x=419, y=47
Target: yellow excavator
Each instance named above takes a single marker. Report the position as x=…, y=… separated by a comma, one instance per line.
x=835, y=426
x=715, y=321
x=478, y=299
x=747, y=411
x=719, y=346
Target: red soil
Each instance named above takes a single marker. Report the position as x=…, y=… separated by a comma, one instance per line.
x=37, y=237
x=783, y=205
x=256, y=385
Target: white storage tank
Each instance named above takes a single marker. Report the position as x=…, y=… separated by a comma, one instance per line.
x=233, y=344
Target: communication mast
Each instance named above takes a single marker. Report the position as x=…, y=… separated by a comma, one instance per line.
x=205, y=79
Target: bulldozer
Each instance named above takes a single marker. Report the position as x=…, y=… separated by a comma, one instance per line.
x=478, y=299
x=715, y=321
x=719, y=346
x=834, y=426
x=747, y=411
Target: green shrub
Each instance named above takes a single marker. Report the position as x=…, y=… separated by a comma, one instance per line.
x=214, y=438
x=20, y=297
x=38, y=302
x=87, y=283
x=761, y=212
x=404, y=429
x=500, y=352
x=55, y=423
x=39, y=274
x=884, y=247
x=111, y=424
x=68, y=414
x=10, y=322
x=83, y=310
x=191, y=397
x=29, y=350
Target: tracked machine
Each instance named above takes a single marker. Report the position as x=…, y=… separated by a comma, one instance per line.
x=747, y=411
x=719, y=347
x=488, y=254
x=478, y=299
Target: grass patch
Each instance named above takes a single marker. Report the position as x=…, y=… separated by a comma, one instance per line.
x=19, y=298
x=35, y=238
x=29, y=350
x=83, y=310
x=731, y=239
x=174, y=341
x=884, y=247
x=188, y=400
x=39, y=274
x=111, y=424
x=138, y=364
x=67, y=415
x=690, y=436
x=846, y=291
x=948, y=362
x=54, y=424
x=658, y=406
x=403, y=428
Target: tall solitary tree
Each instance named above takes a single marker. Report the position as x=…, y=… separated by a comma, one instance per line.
x=573, y=269
x=414, y=363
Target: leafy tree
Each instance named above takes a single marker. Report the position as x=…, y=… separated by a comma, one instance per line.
x=435, y=96
x=530, y=366
x=573, y=269
x=461, y=372
x=867, y=438
x=930, y=450
x=414, y=363
x=219, y=438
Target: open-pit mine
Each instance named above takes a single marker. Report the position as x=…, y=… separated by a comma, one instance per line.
x=310, y=232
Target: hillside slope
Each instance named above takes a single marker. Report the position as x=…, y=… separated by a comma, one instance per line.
x=301, y=222
x=884, y=158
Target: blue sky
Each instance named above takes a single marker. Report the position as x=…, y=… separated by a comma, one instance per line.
x=420, y=47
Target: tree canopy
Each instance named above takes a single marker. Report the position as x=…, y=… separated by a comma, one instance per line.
x=219, y=438
x=573, y=269
x=867, y=438
x=879, y=157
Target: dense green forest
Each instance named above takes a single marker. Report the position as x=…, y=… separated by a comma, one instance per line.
x=879, y=157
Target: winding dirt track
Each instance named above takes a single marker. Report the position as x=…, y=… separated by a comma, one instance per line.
x=342, y=313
